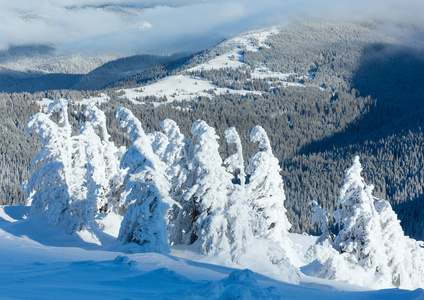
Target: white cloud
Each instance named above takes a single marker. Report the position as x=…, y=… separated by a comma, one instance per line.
x=174, y=25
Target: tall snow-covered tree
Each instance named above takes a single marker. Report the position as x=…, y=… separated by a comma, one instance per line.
x=83, y=189
x=104, y=158
x=177, y=156
x=59, y=183
x=239, y=213
x=266, y=191
x=371, y=248
x=266, y=195
x=47, y=189
x=209, y=193
x=146, y=190
x=360, y=239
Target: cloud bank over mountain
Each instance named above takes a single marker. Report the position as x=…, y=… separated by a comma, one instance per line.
x=167, y=26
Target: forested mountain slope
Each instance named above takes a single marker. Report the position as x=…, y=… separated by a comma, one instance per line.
x=324, y=90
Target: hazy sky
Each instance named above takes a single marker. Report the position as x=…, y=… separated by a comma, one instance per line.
x=165, y=25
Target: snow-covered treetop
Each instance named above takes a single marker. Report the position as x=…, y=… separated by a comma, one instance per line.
x=159, y=142
x=235, y=161
x=201, y=128
x=59, y=106
x=177, y=147
x=47, y=129
x=171, y=129
x=206, y=150
x=320, y=215
x=353, y=183
x=258, y=134
x=129, y=121
x=97, y=120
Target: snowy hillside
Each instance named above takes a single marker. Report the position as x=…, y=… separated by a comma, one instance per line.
x=41, y=261
x=188, y=85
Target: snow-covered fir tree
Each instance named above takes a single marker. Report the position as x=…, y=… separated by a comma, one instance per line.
x=239, y=213
x=266, y=191
x=146, y=193
x=60, y=182
x=177, y=156
x=104, y=158
x=47, y=188
x=360, y=237
x=371, y=248
x=405, y=256
x=357, y=254
x=209, y=194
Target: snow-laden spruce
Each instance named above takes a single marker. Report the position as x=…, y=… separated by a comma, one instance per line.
x=265, y=192
x=146, y=193
x=239, y=213
x=63, y=184
x=360, y=239
x=104, y=158
x=371, y=248
x=48, y=187
x=405, y=255
x=177, y=156
x=73, y=173
x=209, y=193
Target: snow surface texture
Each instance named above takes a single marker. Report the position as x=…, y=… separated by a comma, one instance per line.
x=39, y=261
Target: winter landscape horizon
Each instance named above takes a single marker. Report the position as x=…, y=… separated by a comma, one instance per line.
x=212, y=149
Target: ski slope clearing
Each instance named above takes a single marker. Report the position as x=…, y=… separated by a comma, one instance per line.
x=39, y=261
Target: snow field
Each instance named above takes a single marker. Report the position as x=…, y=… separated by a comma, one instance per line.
x=39, y=261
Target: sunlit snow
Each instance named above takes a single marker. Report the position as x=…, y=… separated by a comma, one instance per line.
x=39, y=261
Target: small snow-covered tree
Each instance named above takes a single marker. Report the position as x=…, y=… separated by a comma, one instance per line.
x=239, y=213
x=146, y=193
x=209, y=194
x=320, y=217
x=177, y=156
x=360, y=239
